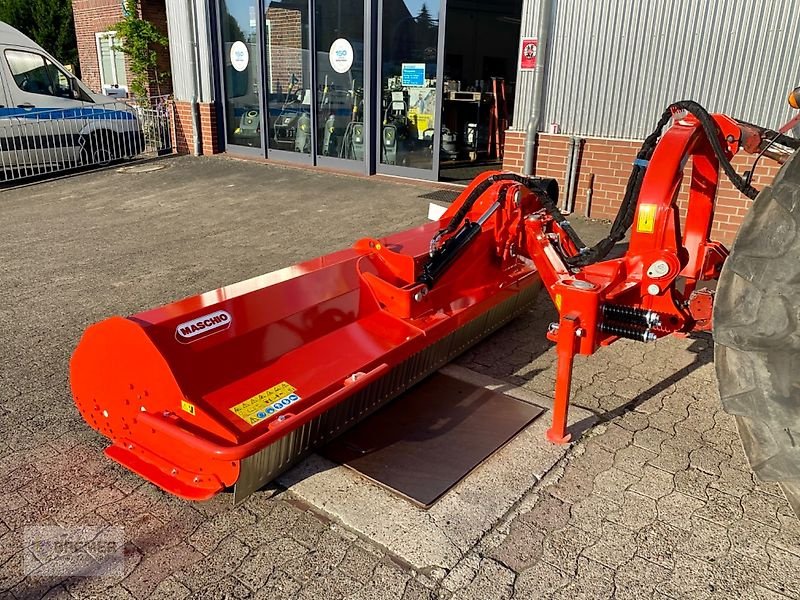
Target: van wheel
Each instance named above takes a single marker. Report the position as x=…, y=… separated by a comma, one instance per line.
x=101, y=148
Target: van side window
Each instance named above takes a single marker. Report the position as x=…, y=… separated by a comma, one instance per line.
x=37, y=75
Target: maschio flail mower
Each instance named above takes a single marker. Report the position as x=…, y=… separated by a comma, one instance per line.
x=231, y=387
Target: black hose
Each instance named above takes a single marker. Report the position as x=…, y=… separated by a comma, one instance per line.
x=627, y=210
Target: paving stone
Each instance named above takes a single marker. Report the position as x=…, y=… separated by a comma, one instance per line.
x=721, y=509
x=613, y=483
x=762, y=508
x=157, y=567
x=637, y=579
x=636, y=511
x=210, y=533
x=562, y=547
x=279, y=585
x=733, y=481
x=677, y=508
x=170, y=589
x=749, y=538
x=221, y=563
x=706, y=540
x=613, y=438
x=657, y=543
x=671, y=459
x=227, y=588
x=615, y=546
x=784, y=570
x=588, y=514
x=539, y=581
x=594, y=581
x=548, y=514
x=694, y=482
x=691, y=578
x=416, y=591
x=707, y=459
x=632, y=459
x=654, y=483
x=633, y=421
x=521, y=548
x=492, y=581
x=359, y=563
x=650, y=439
x=574, y=485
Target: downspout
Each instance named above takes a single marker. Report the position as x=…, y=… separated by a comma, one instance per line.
x=543, y=36
x=194, y=69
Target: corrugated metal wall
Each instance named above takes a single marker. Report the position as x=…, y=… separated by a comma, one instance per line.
x=179, y=23
x=614, y=65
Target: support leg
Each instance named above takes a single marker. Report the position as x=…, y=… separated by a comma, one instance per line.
x=565, y=347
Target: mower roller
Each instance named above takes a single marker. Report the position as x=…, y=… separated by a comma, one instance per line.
x=232, y=387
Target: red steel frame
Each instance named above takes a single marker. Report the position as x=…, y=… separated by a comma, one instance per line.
x=332, y=325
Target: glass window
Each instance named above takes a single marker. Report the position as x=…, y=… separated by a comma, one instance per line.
x=60, y=81
x=340, y=79
x=30, y=72
x=408, y=83
x=111, y=61
x=241, y=72
x=289, y=80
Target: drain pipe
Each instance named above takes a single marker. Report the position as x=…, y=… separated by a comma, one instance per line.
x=568, y=175
x=573, y=176
x=543, y=36
x=194, y=69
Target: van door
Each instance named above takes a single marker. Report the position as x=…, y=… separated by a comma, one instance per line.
x=5, y=129
x=46, y=114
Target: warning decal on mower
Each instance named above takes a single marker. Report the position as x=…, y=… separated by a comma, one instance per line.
x=267, y=403
x=646, y=222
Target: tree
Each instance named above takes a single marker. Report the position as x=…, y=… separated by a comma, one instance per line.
x=47, y=22
x=140, y=41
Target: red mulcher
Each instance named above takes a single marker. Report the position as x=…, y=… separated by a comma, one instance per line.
x=231, y=387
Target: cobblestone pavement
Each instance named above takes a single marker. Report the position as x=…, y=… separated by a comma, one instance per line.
x=655, y=502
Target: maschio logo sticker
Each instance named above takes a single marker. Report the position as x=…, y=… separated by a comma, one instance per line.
x=195, y=329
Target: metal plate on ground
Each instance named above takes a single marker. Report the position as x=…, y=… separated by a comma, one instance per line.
x=431, y=437
x=442, y=195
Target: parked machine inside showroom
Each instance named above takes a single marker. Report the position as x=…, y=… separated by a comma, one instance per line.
x=231, y=387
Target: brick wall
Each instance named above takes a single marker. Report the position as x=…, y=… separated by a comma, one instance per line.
x=155, y=11
x=286, y=46
x=610, y=161
x=95, y=16
x=182, y=128
x=91, y=17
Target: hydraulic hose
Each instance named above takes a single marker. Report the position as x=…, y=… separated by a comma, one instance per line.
x=624, y=219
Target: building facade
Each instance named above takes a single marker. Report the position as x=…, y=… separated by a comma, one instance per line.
x=442, y=89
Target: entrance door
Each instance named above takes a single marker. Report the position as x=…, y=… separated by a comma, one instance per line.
x=341, y=66
x=241, y=74
x=288, y=80
x=410, y=88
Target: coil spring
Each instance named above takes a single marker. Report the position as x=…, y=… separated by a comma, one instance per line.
x=631, y=315
x=631, y=333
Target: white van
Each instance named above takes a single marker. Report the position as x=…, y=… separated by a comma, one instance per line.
x=49, y=119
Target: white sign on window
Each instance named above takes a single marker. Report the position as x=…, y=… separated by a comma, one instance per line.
x=240, y=56
x=341, y=55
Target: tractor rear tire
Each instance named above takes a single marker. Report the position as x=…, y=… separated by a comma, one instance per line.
x=757, y=333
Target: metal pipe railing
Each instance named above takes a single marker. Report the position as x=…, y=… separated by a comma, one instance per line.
x=49, y=141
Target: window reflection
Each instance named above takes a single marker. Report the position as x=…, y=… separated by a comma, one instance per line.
x=239, y=38
x=408, y=83
x=288, y=79
x=340, y=79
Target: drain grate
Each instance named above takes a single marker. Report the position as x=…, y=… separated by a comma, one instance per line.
x=441, y=195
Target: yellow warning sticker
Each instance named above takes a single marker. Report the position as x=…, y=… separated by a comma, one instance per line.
x=267, y=403
x=188, y=407
x=558, y=302
x=646, y=223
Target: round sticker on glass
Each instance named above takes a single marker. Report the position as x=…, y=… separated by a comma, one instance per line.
x=240, y=57
x=341, y=55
